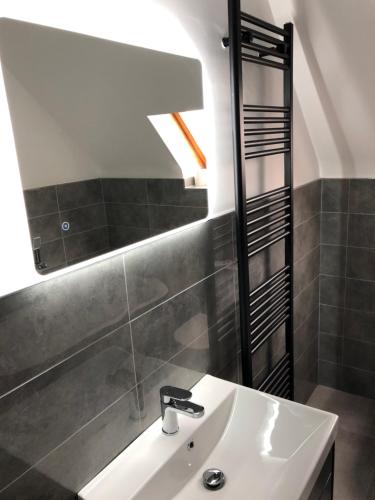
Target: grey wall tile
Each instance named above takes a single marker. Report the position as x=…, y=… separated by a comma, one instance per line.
x=306, y=270
x=82, y=245
x=173, y=192
x=359, y=382
x=333, y=260
x=334, y=228
x=305, y=333
x=359, y=325
x=306, y=302
x=362, y=196
x=335, y=195
x=361, y=230
x=126, y=214
x=161, y=269
x=361, y=263
x=266, y=357
x=306, y=237
x=79, y=389
x=306, y=372
x=332, y=291
x=358, y=354
x=330, y=348
x=84, y=218
x=54, y=319
x=306, y=201
x=121, y=236
x=163, y=332
x=163, y=218
x=331, y=319
x=330, y=374
x=75, y=462
x=125, y=190
x=41, y=201
x=265, y=263
x=52, y=254
x=79, y=194
x=46, y=227
x=360, y=295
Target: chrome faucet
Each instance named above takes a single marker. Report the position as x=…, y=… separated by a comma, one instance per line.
x=173, y=401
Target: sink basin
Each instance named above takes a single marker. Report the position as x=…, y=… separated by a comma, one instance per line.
x=267, y=447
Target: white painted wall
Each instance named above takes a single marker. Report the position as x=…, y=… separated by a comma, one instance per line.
x=192, y=28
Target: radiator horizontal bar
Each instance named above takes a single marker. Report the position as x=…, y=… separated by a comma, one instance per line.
x=266, y=142
x=266, y=205
x=266, y=119
x=281, y=386
x=282, y=377
x=269, y=214
x=282, y=299
x=282, y=362
x=266, y=131
x=270, y=233
x=265, y=108
x=263, y=24
x=280, y=294
x=270, y=381
x=262, y=49
x=259, y=341
x=271, y=223
x=262, y=196
x=266, y=245
x=251, y=33
x=280, y=284
x=269, y=281
x=282, y=307
x=268, y=152
x=286, y=394
x=263, y=62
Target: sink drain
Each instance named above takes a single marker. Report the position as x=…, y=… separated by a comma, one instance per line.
x=213, y=479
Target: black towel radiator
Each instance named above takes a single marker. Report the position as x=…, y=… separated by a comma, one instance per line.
x=265, y=219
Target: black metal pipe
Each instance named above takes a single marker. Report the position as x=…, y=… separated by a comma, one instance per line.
x=266, y=205
x=270, y=280
x=261, y=119
x=277, y=296
x=274, y=192
x=263, y=62
x=268, y=152
x=266, y=245
x=266, y=142
x=280, y=284
x=283, y=361
x=281, y=308
x=266, y=131
x=259, y=340
x=263, y=24
x=261, y=228
x=261, y=49
x=252, y=33
x=279, y=300
x=270, y=109
x=269, y=214
x=280, y=373
x=265, y=236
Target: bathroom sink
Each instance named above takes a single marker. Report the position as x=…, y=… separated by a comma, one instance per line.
x=267, y=447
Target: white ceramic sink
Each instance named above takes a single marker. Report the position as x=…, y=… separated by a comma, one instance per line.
x=267, y=447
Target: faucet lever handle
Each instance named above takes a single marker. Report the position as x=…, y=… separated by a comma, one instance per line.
x=168, y=392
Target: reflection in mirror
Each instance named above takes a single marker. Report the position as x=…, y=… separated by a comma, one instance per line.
x=109, y=140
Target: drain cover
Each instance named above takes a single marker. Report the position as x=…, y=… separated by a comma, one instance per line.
x=213, y=479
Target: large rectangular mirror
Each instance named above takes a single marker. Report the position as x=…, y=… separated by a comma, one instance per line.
x=108, y=139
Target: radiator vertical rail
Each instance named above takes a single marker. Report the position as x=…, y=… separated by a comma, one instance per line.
x=234, y=11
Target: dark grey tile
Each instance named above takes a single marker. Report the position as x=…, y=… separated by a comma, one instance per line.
x=359, y=325
x=360, y=295
x=334, y=228
x=121, y=236
x=79, y=389
x=52, y=320
x=306, y=270
x=306, y=372
x=163, y=332
x=158, y=270
x=359, y=382
x=267, y=356
x=306, y=237
x=173, y=192
x=361, y=231
x=305, y=303
x=121, y=214
x=82, y=245
x=149, y=390
x=230, y=372
x=362, y=196
x=361, y=263
x=84, y=219
x=125, y=190
x=53, y=255
x=331, y=320
x=305, y=333
x=40, y=201
x=330, y=348
x=353, y=465
x=163, y=217
x=333, y=260
x=266, y=263
x=59, y=476
x=359, y=354
x=330, y=374
x=335, y=195
x=332, y=291
x=79, y=194
x=306, y=201
x=47, y=227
